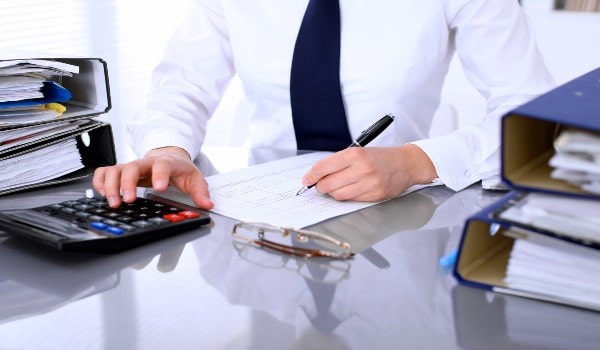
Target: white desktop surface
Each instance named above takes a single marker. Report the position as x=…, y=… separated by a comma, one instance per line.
x=196, y=291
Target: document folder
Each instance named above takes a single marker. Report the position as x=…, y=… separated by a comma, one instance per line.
x=90, y=98
x=528, y=133
x=485, y=250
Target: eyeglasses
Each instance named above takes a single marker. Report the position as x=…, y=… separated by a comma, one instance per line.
x=303, y=243
x=329, y=271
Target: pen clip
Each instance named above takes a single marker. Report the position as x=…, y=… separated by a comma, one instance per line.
x=373, y=131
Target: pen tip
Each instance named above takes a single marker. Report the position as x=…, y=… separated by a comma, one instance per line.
x=302, y=190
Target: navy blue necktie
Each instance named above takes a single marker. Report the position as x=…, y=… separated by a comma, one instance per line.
x=316, y=97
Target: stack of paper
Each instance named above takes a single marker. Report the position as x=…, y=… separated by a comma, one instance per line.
x=44, y=164
x=29, y=91
x=32, y=149
x=577, y=159
x=554, y=269
x=557, y=268
x=567, y=216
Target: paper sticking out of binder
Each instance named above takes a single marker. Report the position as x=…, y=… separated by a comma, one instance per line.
x=30, y=90
x=542, y=136
x=554, y=260
x=47, y=131
x=577, y=159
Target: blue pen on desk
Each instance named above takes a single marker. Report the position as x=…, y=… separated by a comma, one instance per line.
x=364, y=138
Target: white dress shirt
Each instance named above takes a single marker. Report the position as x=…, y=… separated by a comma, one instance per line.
x=394, y=57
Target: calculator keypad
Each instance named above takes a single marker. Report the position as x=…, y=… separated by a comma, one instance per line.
x=97, y=215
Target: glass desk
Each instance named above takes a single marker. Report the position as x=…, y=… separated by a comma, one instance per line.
x=200, y=291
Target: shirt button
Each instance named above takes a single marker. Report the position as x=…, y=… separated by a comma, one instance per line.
x=467, y=173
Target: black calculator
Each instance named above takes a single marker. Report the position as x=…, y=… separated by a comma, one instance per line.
x=89, y=224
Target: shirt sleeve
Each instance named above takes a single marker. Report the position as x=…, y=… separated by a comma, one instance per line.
x=496, y=45
x=187, y=84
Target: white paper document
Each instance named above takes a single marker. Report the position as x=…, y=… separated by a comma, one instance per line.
x=577, y=159
x=43, y=164
x=554, y=268
x=267, y=193
x=573, y=217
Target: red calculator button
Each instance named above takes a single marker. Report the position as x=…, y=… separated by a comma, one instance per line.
x=189, y=214
x=174, y=217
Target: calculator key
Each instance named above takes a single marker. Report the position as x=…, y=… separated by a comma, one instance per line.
x=126, y=227
x=115, y=230
x=83, y=206
x=188, y=214
x=99, y=225
x=88, y=200
x=110, y=222
x=83, y=214
x=68, y=210
x=174, y=217
x=159, y=221
x=125, y=219
x=142, y=223
x=111, y=215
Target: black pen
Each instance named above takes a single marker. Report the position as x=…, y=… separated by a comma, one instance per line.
x=364, y=138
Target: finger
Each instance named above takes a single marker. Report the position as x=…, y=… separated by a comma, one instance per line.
x=98, y=180
x=193, y=184
x=112, y=184
x=363, y=191
x=345, y=193
x=130, y=177
x=161, y=173
x=199, y=192
x=327, y=166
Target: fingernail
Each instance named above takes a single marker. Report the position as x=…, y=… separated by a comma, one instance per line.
x=112, y=201
x=160, y=184
x=127, y=195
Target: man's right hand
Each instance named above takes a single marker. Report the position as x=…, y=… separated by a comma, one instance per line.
x=158, y=168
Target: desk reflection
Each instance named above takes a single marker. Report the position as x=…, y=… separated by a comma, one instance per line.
x=486, y=320
x=43, y=280
x=392, y=292
x=407, y=297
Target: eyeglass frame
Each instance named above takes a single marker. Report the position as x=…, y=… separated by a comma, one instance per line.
x=301, y=236
x=344, y=271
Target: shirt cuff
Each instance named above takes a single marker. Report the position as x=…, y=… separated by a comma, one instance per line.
x=162, y=138
x=455, y=165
